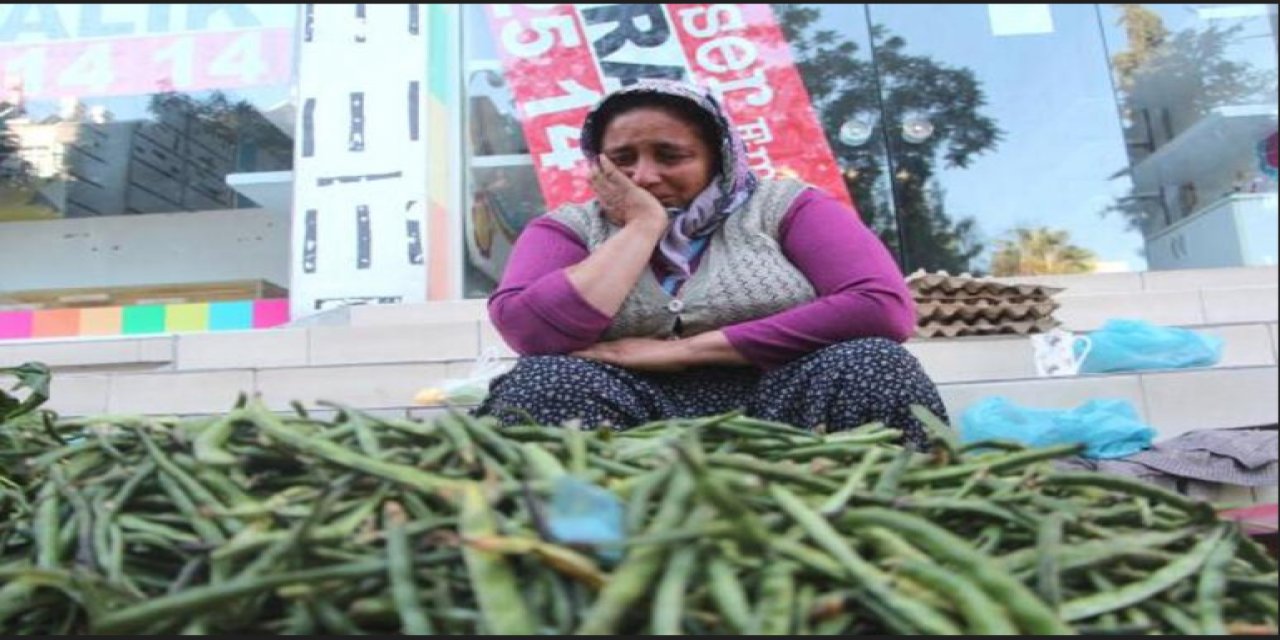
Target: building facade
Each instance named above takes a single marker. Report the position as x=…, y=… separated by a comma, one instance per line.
x=169, y=168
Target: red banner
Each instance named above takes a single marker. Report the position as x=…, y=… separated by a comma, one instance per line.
x=148, y=64
x=560, y=59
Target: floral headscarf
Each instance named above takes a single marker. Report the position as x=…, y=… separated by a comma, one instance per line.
x=692, y=227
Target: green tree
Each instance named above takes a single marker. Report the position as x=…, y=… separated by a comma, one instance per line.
x=842, y=85
x=1146, y=34
x=14, y=170
x=1039, y=251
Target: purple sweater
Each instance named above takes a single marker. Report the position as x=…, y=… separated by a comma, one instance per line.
x=860, y=290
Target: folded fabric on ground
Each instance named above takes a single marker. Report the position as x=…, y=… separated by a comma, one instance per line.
x=1245, y=457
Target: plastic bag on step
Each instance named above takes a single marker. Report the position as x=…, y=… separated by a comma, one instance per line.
x=1135, y=345
x=471, y=389
x=1109, y=428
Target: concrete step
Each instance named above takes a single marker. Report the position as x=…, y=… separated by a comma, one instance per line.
x=290, y=361
x=1080, y=310
x=462, y=341
x=1172, y=402
x=1180, y=297
x=1171, y=280
x=976, y=359
x=1185, y=308
x=1213, y=299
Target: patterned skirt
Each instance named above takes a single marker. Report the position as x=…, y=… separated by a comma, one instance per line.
x=840, y=387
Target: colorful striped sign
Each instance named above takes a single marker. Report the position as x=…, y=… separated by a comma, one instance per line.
x=144, y=319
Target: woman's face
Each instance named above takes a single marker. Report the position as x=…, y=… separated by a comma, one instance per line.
x=662, y=153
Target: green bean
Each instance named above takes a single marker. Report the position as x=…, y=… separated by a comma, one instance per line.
x=856, y=568
x=46, y=527
x=805, y=597
x=939, y=432
x=457, y=435
x=209, y=445
x=85, y=556
x=1087, y=554
x=101, y=525
x=77, y=466
x=1003, y=463
x=494, y=467
x=199, y=598
x=539, y=462
x=400, y=574
x=130, y=522
x=637, y=507
x=16, y=597
x=338, y=455
x=115, y=558
x=189, y=484
x=333, y=619
x=126, y=491
x=1177, y=619
x=960, y=505
x=892, y=545
x=638, y=567
x=532, y=433
x=1256, y=555
x=1266, y=605
x=1002, y=445
x=837, y=501
x=777, y=600
x=1185, y=566
x=709, y=487
x=843, y=446
x=575, y=441
x=773, y=471
x=495, y=584
x=668, y=601
x=1267, y=582
x=981, y=613
x=727, y=592
x=1199, y=510
x=887, y=484
x=206, y=528
x=1048, y=580
x=1028, y=612
x=613, y=466
x=1212, y=587
x=764, y=426
x=486, y=436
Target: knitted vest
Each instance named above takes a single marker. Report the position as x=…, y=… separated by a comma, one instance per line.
x=743, y=273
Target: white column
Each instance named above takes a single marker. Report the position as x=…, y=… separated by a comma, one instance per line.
x=360, y=174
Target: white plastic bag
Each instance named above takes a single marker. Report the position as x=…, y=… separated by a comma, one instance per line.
x=469, y=390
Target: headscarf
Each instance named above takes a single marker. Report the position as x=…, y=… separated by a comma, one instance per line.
x=691, y=227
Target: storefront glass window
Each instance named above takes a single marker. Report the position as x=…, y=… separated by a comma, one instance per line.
x=1196, y=86
x=1003, y=140
x=144, y=156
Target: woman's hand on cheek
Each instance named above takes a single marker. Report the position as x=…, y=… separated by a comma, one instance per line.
x=623, y=202
x=641, y=354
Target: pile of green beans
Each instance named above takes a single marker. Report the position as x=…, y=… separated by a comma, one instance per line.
x=262, y=522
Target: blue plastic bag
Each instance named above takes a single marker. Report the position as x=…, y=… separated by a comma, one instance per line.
x=1135, y=345
x=582, y=513
x=1109, y=428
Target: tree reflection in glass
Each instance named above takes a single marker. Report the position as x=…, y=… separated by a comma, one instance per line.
x=848, y=90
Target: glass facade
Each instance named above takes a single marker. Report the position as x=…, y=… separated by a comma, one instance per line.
x=147, y=150
x=128, y=132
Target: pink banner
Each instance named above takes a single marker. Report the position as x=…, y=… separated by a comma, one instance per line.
x=560, y=59
x=148, y=64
